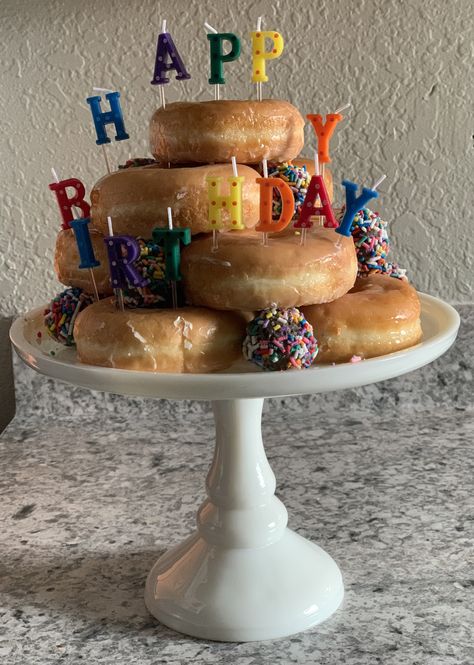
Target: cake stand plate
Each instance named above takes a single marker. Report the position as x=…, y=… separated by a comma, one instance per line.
x=242, y=575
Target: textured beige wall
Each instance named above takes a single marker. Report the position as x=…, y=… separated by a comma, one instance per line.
x=406, y=67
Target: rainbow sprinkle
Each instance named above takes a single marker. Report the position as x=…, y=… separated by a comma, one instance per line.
x=59, y=317
x=298, y=179
x=279, y=339
x=152, y=266
x=370, y=236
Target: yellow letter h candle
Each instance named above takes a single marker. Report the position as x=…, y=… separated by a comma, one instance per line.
x=218, y=203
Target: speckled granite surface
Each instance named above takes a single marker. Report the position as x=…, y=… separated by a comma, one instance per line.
x=95, y=487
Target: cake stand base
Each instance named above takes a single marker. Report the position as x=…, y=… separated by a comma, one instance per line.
x=243, y=575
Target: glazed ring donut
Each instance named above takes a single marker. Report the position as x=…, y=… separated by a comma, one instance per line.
x=188, y=339
x=214, y=131
x=66, y=263
x=245, y=275
x=379, y=315
x=137, y=198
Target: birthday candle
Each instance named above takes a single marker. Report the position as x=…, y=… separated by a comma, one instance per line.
x=217, y=55
x=355, y=203
x=231, y=202
x=66, y=203
x=122, y=269
x=324, y=132
x=172, y=240
x=167, y=58
x=260, y=56
x=266, y=222
x=103, y=118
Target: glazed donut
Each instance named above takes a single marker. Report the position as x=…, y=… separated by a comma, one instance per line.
x=66, y=263
x=243, y=274
x=188, y=339
x=379, y=315
x=137, y=198
x=214, y=131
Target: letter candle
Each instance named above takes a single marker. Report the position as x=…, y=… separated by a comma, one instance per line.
x=266, y=224
x=103, y=118
x=165, y=49
x=259, y=55
x=355, y=203
x=324, y=132
x=316, y=189
x=172, y=240
x=337, y=111
x=112, y=262
x=218, y=57
x=218, y=202
x=79, y=225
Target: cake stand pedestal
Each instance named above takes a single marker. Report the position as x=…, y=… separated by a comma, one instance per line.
x=242, y=575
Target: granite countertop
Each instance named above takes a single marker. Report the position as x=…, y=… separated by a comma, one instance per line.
x=94, y=487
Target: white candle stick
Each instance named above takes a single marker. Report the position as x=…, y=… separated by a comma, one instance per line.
x=379, y=181
x=265, y=175
x=118, y=292
x=174, y=292
x=101, y=89
x=343, y=108
x=234, y=167
x=217, y=92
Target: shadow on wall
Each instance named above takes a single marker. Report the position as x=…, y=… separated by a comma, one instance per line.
x=7, y=393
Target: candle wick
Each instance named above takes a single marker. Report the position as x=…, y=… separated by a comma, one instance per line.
x=343, y=108
x=170, y=219
x=109, y=224
x=234, y=167
x=265, y=168
x=210, y=28
x=163, y=26
x=101, y=89
x=379, y=181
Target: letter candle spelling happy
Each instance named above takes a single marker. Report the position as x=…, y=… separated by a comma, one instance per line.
x=103, y=118
x=165, y=49
x=259, y=55
x=218, y=57
x=218, y=202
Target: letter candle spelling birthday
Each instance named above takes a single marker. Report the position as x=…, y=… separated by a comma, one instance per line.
x=121, y=265
x=316, y=190
x=172, y=240
x=218, y=57
x=355, y=203
x=167, y=58
x=259, y=55
x=65, y=203
x=231, y=202
x=103, y=118
x=266, y=222
x=79, y=225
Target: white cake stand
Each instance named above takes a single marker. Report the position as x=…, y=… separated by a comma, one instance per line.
x=242, y=575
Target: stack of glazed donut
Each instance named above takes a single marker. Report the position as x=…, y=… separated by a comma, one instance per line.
x=224, y=286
